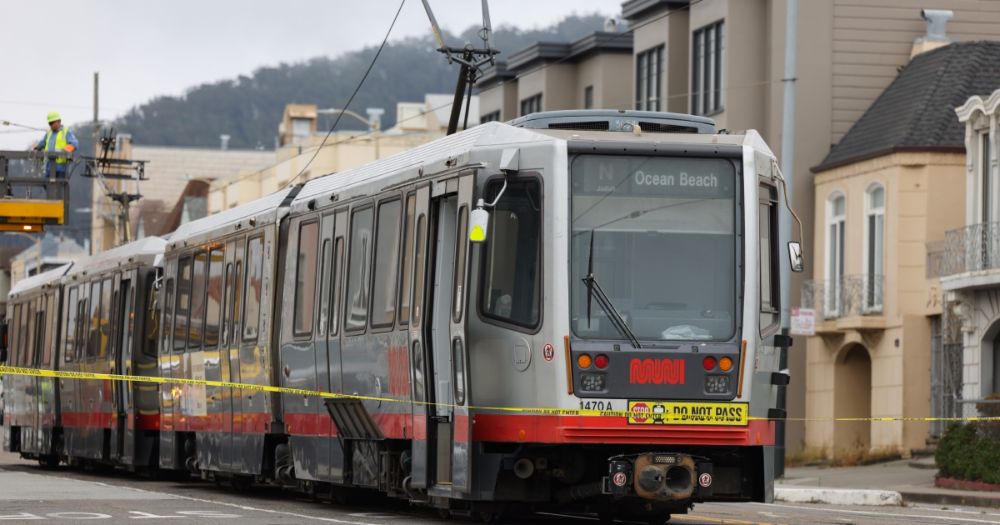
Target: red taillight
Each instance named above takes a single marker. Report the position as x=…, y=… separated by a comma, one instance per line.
x=601, y=361
x=708, y=363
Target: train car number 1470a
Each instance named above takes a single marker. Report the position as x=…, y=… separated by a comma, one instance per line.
x=596, y=405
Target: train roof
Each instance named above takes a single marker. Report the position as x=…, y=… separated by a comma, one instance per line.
x=743, y=138
x=145, y=250
x=259, y=212
x=39, y=281
x=423, y=156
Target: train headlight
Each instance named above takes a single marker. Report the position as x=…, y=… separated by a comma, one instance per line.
x=593, y=382
x=716, y=384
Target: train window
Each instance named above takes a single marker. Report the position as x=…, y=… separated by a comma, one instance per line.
x=104, y=326
x=324, y=289
x=770, y=313
x=358, y=267
x=151, y=323
x=196, y=330
x=255, y=281
x=182, y=306
x=237, y=302
x=419, y=267
x=305, y=279
x=512, y=274
x=30, y=331
x=168, y=315
x=461, y=249
x=41, y=346
x=94, y=322
x=69, y=351
x=338, y=265
x=50, y=329
x=407, y=271
x=213, y=299
x=386, y=264
x=227, y=300
x=82, y=316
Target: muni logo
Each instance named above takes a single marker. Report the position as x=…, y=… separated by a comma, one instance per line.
x=656, y=371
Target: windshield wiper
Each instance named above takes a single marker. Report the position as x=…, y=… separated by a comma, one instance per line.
x=602, y=299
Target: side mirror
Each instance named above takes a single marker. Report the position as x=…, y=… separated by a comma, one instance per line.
x=479, y=223
x=795, y=256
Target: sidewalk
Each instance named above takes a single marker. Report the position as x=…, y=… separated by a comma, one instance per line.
x=875, y=485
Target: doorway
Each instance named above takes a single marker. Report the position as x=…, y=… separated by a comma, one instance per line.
x=853, y=398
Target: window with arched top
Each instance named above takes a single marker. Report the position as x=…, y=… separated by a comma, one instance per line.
x=874, y=247
x=836, y=210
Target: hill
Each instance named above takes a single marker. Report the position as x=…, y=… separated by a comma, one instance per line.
x=249, y=107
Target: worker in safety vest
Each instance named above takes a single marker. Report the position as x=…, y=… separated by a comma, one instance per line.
x=58, y=138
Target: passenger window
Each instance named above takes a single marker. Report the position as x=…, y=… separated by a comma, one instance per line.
x=82, y=318
x=151, y=324
x=512, y=262
x=255, y=281
x=356, y=309
x=237, y=302
x=104, y=326
x=183, y=305
x=94, y=324
x=338, y=265
x=213, y=299
x=419, y=268
x=197, y=323
x=407, y=271
x=386, y=265
x=324, y=289
x=770, y=313
x=461, y=248
x=227, y=299
x=49, y=331
x=69, y=351
x=168, y=316
x=305, y=279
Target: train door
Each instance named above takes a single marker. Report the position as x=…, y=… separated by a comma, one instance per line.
x=328, y=366
x=120, y=351
x=37, y=328
x=418, y=346
x=450, y=415
x=233, y=407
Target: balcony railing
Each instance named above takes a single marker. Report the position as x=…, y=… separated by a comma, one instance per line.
x=972, y=248
x=851, y=295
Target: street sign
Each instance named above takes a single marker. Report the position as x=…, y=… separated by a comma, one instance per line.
x=803, y=321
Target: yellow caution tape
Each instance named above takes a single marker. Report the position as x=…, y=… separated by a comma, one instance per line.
x=691, y=416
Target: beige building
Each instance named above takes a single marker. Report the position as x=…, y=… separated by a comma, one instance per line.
x=885, y=196
x=49, y=251
x=972, y=277
x=303, y=155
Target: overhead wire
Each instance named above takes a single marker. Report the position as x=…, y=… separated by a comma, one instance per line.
x=350, y=99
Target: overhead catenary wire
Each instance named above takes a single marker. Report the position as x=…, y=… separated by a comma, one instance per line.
x=351, y=98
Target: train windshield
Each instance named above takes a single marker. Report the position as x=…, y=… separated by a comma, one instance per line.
x=657, y=235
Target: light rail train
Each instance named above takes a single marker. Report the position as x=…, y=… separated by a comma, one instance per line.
x=574, y=310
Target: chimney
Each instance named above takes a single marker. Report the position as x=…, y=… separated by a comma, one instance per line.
x=937, y=34
x=224, y=142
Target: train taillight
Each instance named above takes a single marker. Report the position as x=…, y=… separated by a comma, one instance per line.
x=601, y=361
x=708, y=363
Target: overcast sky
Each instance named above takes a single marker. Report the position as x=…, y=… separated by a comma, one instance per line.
x=159, y=47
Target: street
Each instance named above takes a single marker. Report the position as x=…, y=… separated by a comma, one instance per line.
x=66, y=495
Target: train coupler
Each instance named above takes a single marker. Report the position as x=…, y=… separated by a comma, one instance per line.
x=659, y=476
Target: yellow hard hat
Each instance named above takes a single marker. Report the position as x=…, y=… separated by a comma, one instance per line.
x=54, y=116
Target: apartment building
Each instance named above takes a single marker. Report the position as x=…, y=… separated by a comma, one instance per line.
x=725, y=59
x=886, y=194
x=972, y=253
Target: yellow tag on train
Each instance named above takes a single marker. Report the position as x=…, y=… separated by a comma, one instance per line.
x=687, y=413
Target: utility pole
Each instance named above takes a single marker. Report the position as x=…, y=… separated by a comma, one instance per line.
x=785, y=225
x=95, y=213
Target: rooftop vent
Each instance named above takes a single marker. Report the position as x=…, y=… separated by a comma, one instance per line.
x=937, y=33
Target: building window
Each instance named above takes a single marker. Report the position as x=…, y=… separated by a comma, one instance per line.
x=990, y=188
x=493, y=116
x=835, y=212
x=588, y=97
x=532, y=104
x=706, y=70
x=874, y=246
x=648, y=72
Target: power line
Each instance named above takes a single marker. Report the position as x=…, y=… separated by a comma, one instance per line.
x=351, y=98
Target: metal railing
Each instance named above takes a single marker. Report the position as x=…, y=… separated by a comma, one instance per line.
x=851, y=295
x=972, y=248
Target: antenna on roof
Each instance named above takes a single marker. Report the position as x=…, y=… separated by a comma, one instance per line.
x=471, y=60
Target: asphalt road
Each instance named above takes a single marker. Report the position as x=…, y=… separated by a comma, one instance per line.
x=63, y=495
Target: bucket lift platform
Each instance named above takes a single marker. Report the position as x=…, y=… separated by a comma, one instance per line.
x=31, y=197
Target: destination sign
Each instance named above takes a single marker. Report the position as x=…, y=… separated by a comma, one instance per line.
x=633, y=176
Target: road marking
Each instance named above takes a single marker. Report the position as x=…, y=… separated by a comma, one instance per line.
x=959, y=511
x=873, y=513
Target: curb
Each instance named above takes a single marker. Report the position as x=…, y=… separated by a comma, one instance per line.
x=937, y=498
x=832, y=496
